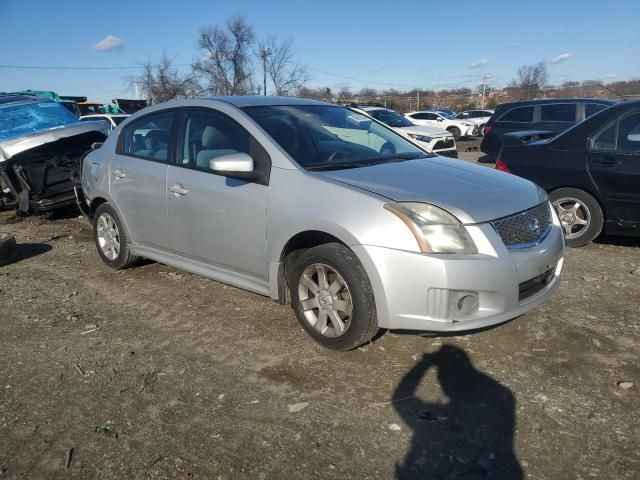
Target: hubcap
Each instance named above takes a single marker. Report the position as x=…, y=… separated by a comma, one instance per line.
x=108, y=236
x=325, y=300
x=574, y=216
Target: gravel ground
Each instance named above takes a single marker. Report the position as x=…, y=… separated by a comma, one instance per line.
x=155, y=373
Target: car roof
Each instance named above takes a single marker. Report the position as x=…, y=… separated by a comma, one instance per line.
x=10, y=98
x=257, y=100
x=542, y=101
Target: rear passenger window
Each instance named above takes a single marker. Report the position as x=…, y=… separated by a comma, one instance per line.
x=592, y=108
x=149, y=137
x=559, y=112
x=629, y=134
x=520, y=114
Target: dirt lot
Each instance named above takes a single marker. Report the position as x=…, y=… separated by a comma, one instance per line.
x=155, y=373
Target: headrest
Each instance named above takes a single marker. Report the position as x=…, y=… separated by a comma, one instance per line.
x=154, y=138
x=212, y=138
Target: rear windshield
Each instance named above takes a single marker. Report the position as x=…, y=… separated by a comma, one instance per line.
x=16, y=120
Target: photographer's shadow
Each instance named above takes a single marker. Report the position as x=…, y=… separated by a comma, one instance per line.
x=470, y=436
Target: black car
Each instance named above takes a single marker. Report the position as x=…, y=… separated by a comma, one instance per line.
x=592, y=171
x=554, y=115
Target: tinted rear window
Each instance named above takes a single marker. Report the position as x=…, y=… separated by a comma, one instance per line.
x=592, y=108
x=558, y=112
x=519, y=114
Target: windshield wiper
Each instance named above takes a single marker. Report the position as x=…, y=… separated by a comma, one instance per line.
x=400, y=157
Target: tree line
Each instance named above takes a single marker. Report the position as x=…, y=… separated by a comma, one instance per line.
x=234, y=61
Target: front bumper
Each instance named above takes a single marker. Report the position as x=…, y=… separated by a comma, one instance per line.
x=414, y=291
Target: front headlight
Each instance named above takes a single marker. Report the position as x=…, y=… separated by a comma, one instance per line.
x=421, y=138
x=467, y=124
x=435, y=229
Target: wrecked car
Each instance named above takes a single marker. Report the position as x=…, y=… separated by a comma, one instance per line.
x=41, y=147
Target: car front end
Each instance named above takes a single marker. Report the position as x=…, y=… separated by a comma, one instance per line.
x=473, y=265
x=433, y=139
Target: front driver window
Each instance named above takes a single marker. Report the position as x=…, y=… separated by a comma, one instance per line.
x=208, y=135
x=629, y=134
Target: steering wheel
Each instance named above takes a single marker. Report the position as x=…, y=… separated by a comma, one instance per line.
x=344, y=151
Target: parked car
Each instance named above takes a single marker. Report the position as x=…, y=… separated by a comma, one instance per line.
x=112, y=119
x=591, y=171
x=554, y=115
x=41, y=143
x=477, y=117
x=457, y=128
x=435, y=139
x=447, y=112
x=271, y=194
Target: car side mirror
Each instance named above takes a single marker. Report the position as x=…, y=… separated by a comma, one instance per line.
x=439, y=119
x=235, y=165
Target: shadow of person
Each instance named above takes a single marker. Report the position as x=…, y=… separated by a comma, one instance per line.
x=471, y=436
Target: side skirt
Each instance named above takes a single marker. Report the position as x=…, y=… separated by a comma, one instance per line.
x=205, y=270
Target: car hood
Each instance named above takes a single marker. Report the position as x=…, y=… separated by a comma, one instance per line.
x=423, y=130
x=12, y=146
x=473, y=193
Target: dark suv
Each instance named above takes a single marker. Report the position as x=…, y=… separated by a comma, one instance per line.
x=554, y=114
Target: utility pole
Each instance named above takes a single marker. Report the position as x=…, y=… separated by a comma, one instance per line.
x=485, y=78
x=263, y=54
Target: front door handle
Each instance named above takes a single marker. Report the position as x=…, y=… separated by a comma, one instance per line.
x=118, y=173
x=178, y=189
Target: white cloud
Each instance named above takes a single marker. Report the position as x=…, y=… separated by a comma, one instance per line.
x=611, y=75
x=479, y=63
x=110, y=42
x=511, y=45
x=561, y=58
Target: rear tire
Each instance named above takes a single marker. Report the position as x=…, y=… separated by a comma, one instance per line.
x=332, y=297
x=455, y=131
x=111, y=238
x=580, y=215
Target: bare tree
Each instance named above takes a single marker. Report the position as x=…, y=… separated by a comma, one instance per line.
x=161, y=82
x=226, y=67
x=285, y=73
x=530, y=79
x=345, y=93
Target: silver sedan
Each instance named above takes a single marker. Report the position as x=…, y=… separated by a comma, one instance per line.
x=319, y=206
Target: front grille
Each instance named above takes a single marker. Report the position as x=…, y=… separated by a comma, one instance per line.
x=536, y=284
x=525, y=229
x=442, y=144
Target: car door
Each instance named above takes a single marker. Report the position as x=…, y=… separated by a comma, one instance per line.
x=215, y=219
x=614, y=164
x=433, y=120
x=138, y=177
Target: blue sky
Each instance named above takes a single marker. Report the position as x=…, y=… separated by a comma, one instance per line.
x=410, y=43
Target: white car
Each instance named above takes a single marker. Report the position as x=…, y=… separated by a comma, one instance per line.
x=113, y=119
x=478, y=117
x=434, y=139
x=457, y=128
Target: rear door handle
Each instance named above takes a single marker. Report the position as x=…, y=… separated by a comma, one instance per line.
x=609, y=161
x=178, y=189
x=118, y=173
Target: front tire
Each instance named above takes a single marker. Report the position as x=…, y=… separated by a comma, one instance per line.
x=111, y=238
x=456, y=132
x=332, y=297
x=580, y=215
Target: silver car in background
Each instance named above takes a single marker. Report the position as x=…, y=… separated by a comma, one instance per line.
x=319, y=206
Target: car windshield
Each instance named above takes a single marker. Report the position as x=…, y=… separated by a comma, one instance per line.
x=320, y=137
x=445, y=114
x=118, y=120
x=16, y=120
x=391, y=118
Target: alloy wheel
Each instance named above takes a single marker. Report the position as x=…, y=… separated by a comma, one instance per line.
x=108, y=236
x=325, y=300
x=574, y=216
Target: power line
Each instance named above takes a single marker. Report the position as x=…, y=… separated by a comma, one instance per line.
x=43, y=67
